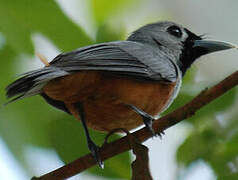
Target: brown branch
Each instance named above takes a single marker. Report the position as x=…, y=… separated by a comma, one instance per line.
x=122, y=145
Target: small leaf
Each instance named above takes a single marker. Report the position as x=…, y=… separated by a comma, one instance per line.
x=228, y=177
x=105, y=33
x=197, y=145
x=220, y=104
x=104, y=9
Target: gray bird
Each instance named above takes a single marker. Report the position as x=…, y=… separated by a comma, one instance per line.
x=120, y=84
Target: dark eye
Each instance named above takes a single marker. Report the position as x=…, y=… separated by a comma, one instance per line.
x=175, y=31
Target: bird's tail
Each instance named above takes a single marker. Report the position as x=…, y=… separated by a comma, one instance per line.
x=31, y=83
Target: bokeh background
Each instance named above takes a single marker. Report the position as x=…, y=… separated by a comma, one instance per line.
x=36, y=138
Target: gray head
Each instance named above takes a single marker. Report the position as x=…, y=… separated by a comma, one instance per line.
x=180, y=42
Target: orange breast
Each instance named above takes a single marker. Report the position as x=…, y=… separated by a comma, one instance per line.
x=105, y=97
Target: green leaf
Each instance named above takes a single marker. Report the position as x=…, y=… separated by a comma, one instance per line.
x=220, y=104
x=228, y=177
x=19, y=19
x=213, y=144
x=19, y=124
x=197, y=145
x=9, y=125
x=106, y=33
x=223, y=156
x=104, y=9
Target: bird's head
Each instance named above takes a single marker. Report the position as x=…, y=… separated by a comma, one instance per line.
x=175, y=40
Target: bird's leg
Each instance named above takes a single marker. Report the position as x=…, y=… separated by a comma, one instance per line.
x=147, y=118
x=91, y=145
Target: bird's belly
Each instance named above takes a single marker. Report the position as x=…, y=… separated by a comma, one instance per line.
x=106, y=101
x=108, y=109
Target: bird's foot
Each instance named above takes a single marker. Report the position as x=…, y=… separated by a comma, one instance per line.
x=95, y=153
x=148, y=121
x=160, y=134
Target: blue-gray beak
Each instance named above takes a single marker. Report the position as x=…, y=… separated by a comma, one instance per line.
x=212, y=46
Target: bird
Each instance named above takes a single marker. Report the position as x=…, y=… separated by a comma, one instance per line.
x=119, y=84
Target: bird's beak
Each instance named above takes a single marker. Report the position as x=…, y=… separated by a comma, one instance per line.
x=210, y=46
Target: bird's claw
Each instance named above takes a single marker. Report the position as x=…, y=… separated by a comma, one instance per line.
x=148, y=121
x=95, y=153
x=160, y=134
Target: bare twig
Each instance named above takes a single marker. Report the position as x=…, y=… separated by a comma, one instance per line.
x=122, y=145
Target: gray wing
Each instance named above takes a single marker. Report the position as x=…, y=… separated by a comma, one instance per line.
x=121, y=57
x=125, y=58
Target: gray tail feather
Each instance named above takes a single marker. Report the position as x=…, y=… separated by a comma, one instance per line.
x=31, y=83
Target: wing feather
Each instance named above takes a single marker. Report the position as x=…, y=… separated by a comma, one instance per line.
x=121, y=57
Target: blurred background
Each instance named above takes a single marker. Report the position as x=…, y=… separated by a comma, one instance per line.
x=36, y=138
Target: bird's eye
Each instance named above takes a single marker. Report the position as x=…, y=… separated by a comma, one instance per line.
x=175, y=31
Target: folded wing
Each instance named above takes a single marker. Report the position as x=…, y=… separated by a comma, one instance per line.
x=125, y=58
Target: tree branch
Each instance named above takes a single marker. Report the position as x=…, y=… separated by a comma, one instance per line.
x=121, y=145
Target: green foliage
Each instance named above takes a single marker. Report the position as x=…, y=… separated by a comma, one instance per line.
x=210, y=140
x=105, y=33
x=19, y=19
x=104, y=9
